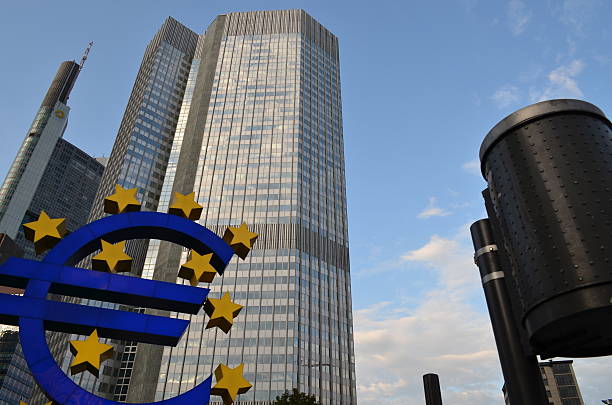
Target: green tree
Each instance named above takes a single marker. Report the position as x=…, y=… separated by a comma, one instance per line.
x=296, y=398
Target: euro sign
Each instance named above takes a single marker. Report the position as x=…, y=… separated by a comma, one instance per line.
x=34, y=312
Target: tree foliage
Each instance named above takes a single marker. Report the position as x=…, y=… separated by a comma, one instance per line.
x=295, y=398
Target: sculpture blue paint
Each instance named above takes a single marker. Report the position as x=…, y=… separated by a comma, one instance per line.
x=34, y=313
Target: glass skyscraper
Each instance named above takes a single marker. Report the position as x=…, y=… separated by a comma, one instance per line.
x=248, y=115
x=49, y=173
x=66, y=190
x=29, y=165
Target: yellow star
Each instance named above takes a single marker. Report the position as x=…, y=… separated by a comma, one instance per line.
x=221, y=312
x=112, y=258
x=124, y=200
x=45, y=232
x=185, y=205
x=230, y=383
x=198, y=269
x=89, y=354
x=240, y=239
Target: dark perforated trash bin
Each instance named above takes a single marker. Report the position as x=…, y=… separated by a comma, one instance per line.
x=549, y=171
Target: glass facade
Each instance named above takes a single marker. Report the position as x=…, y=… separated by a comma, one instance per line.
x=142, y=147
x=249, y=117
x=127, y=358
x=271, y=155
x=66, y=190
x=23, y=157
x=55, y=99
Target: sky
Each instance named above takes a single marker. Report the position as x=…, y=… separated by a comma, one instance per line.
x=422, y=84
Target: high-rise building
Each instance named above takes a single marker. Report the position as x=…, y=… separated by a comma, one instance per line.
x=140, y=153
x=66, y=190
x=248, y=116
x=259, y=139
x=29, y=165
x=560, y=383
x=49, y=173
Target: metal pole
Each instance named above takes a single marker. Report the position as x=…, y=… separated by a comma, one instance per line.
x=431, y=383
x=521, y=370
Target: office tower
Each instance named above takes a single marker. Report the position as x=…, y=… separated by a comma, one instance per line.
x=16, y=382
x=142, y=147
x=259, y=139
x=560, y=383
x=28, y=167
x=66, y=190
x=248, y=116
x=49, y=173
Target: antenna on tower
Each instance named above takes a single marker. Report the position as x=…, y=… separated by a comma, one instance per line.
x=84, y=58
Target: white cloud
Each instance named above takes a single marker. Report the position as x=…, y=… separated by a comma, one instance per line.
x=518, y=16
x=445, y=334
x=436, y=252
x=561, y=83
x=452, y=261
x=472, y=167
x=505, y=96
x=432, y=210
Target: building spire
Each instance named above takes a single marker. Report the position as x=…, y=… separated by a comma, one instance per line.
x=85, y=54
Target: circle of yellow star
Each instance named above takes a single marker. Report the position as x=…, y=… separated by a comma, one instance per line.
x=230, y=383
x=123, y=200
x=45, y=232
x=221, y=312
x=112, y=258
x=89, y=354
x=241, y=239
x=185, y=205
x=198, y=269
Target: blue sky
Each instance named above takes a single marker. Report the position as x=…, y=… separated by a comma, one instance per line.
x=422, y=83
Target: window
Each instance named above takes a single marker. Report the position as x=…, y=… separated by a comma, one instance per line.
x=564, y=379
x=568, y=392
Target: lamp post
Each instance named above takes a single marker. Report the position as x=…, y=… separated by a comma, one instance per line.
x=521, y=370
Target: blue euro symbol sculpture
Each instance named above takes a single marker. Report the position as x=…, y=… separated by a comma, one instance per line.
x=34, y=313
